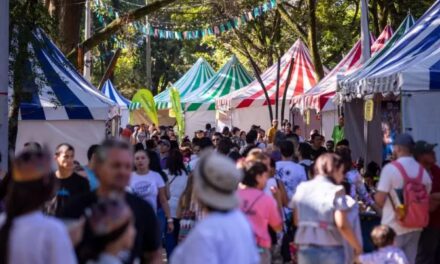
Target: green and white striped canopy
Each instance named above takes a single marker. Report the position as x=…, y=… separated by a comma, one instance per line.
x=199, y=73
x=231, y=77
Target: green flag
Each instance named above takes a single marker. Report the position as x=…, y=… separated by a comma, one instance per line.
x=176, y=111
x=146, y=100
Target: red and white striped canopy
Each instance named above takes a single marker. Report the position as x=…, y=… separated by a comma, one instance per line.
x=303, y=78
x=318, y=97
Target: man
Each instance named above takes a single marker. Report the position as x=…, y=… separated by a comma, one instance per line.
x=330, y=145
x=272, y=131
x=251, y=137
x=429, y=243
x=208, y=130
x=114, y=162
x=216, y=137
x=236, y=139
x=391, y=180
x=164, y=146
x=316, y=142
x=289, y=172
x=338, y=131
x=89, y=169
x=70, y=184
x=297, y=132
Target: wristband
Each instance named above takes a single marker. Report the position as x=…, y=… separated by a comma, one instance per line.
x=170, y=220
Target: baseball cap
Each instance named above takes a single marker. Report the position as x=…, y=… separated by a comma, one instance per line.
x=423, y=147
x=405, y=140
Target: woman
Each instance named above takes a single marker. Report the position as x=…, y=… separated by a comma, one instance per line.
x=26, y=233
x=149, y=185
x=223, y=236
x=320, y=214
x=260, y=208
x=177, y=181
x=112, y=227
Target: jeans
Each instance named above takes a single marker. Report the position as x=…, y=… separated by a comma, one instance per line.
x=162, y=223
x=172, y=238
x=429, y=246
x=321, y=255
x=408, y=243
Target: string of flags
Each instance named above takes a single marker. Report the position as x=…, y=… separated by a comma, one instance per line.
x=164, y=32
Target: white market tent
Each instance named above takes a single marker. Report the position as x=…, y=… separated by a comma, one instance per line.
x=62, y=106
x=248, y=106
x=200, y=104
x=410, y=72
x=110, y=91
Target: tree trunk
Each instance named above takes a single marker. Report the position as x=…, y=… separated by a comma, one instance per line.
x=373, y=10
x=117, y=24
x=312, y=39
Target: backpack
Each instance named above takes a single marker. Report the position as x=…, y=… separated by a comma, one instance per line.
x=415, y=200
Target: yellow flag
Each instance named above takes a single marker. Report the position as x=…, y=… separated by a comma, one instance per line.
x=176, y=110
x=369, y=110
x=146, y=99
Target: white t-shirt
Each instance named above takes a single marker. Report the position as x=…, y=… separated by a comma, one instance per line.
x=220, y=238
x=177, y=185
x=39, y=239
x=390, y=178
x=147, y=186
x=291, y=174
x=193, y=163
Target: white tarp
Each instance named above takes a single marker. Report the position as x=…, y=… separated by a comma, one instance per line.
x=79, y=133
x=197, y=120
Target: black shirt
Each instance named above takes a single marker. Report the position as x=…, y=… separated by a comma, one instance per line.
x=67, y=189
x=147, y=228
x=315, y=153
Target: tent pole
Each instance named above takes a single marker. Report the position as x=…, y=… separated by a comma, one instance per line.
x=277, y=88
x=289, y=75
x=110, y=68
x=4, y=79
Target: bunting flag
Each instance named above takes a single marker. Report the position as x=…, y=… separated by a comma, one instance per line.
x=164, y=30
x=177, y=111
x=146, y=100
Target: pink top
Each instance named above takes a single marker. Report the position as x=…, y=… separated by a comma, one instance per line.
x=261, y=210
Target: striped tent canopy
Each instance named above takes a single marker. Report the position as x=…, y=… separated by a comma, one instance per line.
x=401, y=31
x=199, y=73
x=319, y=97
x=391, y=72
x=110, y=91
x=57, y=91
x=231, y=77
x=302, y=79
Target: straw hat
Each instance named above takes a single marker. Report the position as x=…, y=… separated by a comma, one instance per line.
x=216, y=180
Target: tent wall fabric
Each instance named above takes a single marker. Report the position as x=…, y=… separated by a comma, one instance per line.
x=58, y=91
x=354, y=77
x=110, y=91
x=231, y=77
x=196, y=120
x=302, y=79
x=199, y=73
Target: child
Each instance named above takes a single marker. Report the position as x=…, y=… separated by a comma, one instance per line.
x=383, y=238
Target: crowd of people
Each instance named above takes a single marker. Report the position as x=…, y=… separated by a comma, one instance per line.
x=227, y=197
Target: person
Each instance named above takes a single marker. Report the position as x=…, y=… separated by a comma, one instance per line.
x=260, y=208
x=429, y=243
x=114, y=161
x=164, y=146
x=261, y=141
x=289, y=172
x=297, y=131
x=317, y=148
x=304, y=158
x=251, y=137
x=26, y=234
x=216, y=137
x=208, y=130
x=271, y=132
x=236, y=137
x=288, y=130
x=89, y=169
x=178, y=178
x=224, y=234
x=226, y=132
x=112, y=227
x=319, y=208
x=224, y=146
x=330, y=146
x=387, y=141
x=390, y=181
x=203, y=145
x=338, y=130
x=383, y=239
x=69, y=183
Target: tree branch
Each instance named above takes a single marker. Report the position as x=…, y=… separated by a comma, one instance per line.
x=295, y=27
x=117, y=24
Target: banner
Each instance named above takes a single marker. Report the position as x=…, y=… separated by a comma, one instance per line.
x=369, y=110
x=176, y=110
x=145, y=98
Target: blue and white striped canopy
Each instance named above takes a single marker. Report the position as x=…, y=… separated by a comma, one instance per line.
x=110, y=91
x=57, y=91
x=412, y=64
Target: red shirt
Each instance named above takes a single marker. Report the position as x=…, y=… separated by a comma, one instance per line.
x=434, y=217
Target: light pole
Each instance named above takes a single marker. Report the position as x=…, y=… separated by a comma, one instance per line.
x=87, y=34
x=4, y=82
